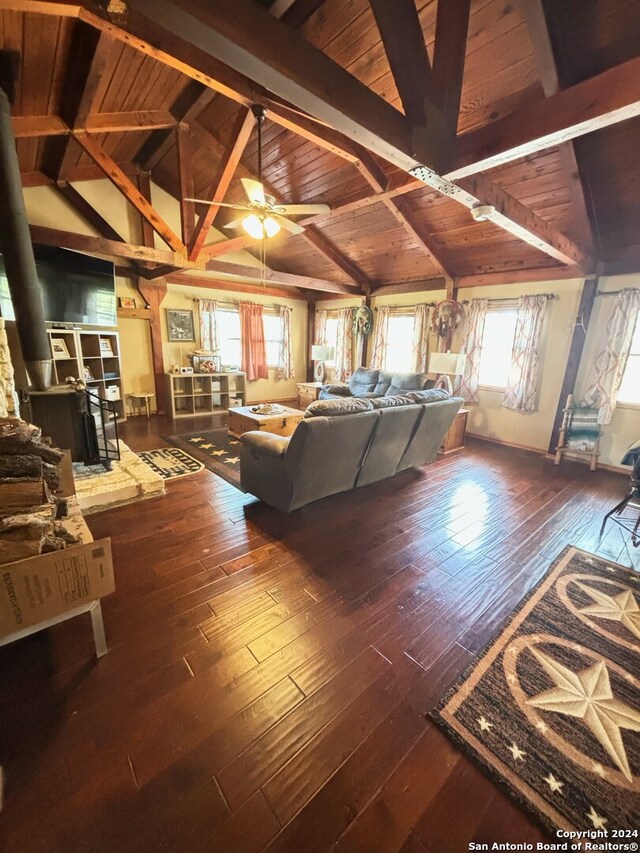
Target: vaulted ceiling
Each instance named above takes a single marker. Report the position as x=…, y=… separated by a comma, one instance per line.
x=147, y=115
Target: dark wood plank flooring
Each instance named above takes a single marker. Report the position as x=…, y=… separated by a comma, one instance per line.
x=268, y=675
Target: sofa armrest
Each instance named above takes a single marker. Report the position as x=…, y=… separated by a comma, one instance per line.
x=340, y=390
x=265, y=444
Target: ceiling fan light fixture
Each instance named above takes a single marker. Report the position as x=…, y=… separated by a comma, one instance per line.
x=259, y=227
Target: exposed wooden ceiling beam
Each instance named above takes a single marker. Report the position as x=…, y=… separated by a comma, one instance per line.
x=424, y=285
x=406, y=50
x=317, y=239
x=129, y=190
x=300, y=11
x=25, y=127
x=593, y=104
x=519, y=276
x=242, y=130
x=287, y=65
x=186, y=188
x=534, y=14
x=235, y=286
x=88, y=212
x=116, y=249
x=452, y=24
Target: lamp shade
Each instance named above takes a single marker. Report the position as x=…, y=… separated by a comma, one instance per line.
x=322, y=353
x=450, y=363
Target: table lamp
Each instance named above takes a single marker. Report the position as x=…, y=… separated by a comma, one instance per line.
x=320, y=354
x=447, y=364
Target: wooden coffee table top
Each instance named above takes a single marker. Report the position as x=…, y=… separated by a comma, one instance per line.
x=284, y=412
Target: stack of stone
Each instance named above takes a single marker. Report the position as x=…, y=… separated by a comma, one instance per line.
x=29, y=510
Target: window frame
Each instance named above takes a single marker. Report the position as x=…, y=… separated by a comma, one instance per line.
x=629, y=404
x=332, y=315
x=499, y=309
x=271, y=312
x=223, y=309
x=398, y=314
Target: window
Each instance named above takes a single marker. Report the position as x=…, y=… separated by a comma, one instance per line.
x=399, y=344
x=229, y=337
x=332, y=335
x=497, y=344
x=272, y=337
x=630, y=387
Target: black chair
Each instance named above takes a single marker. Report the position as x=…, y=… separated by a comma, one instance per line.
x=630, y=501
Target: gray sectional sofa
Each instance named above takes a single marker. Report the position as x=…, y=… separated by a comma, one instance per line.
x=368, y=383
x=342, y=444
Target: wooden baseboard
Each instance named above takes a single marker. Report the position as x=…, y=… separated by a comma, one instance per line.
x=615, y=469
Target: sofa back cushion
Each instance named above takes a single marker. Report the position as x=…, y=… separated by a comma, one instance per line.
x=430, y=395
x=395, y=402
x=384, y=381
x=337, y=407
x=325, y=454
x=364, y=381
x=396, y=425
x=431, y=429
x=403, y=382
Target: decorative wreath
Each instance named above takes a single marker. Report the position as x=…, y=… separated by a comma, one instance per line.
x=363, y=320
x=447, y=316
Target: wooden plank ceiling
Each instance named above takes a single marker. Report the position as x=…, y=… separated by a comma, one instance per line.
x=91, y=80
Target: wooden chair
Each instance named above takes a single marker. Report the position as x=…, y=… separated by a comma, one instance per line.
x=579, y=434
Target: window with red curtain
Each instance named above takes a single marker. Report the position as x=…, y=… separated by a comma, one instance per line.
x=254, y=351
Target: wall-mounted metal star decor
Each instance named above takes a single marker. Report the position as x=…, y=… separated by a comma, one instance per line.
x=587, y=695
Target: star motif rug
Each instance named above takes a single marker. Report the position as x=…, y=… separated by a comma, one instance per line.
x=170, y=462
x=551, y=708
x=215, y=448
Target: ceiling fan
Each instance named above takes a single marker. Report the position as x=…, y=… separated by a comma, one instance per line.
x=263, y=217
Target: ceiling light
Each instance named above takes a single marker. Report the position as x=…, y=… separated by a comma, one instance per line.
x=259, y=227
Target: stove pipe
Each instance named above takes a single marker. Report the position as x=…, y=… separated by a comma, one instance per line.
x=20, y=265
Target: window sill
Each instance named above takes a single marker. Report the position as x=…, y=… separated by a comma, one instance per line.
x=620, y=405
x=498, y=388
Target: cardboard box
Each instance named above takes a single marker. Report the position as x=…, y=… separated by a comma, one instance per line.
x=39, y=588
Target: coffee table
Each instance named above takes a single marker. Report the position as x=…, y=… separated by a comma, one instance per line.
x=242, y=419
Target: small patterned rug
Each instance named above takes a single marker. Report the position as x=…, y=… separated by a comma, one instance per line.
x=170, y=462
x=216, y=449
x=552, y=707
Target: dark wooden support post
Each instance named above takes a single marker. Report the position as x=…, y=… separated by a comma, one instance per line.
x=311, y=334
x=575, y=354
x=153, y=294
x=187, y=190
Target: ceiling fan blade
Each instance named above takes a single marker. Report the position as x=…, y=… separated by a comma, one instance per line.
x=254, y=190
x=220, y=204
x=297, y=209
x=287, y=224
x=235, y=223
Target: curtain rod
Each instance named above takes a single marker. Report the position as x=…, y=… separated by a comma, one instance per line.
x=405, y=307
x=615, y=292
x=233, y=304
x=513, y=298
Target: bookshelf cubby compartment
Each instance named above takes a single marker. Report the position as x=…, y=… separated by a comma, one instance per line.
x=203, y=393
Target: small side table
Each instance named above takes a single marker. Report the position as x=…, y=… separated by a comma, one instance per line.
x=454, y=439
x=308, y=393
x=138, y=401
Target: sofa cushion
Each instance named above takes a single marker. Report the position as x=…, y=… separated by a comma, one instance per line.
x=363, y=381
x=331, y=408
x=392, y=402
x=401, y=382
x=431, y=395
x=384, y=381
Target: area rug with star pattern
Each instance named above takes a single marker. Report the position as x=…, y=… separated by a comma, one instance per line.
x=551, y=708
x=215, y=448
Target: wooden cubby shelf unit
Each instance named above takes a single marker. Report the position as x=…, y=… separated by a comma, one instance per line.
x=204, y=393
x=96, y=350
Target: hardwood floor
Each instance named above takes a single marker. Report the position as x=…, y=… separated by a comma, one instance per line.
x=268, y=675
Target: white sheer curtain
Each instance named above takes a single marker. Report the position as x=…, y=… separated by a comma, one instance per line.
x=467, y=385
x=321, y=327
x=521, y=394
x=344, y=349
x=285, y=355
x=609, y=366
x=380, y=337
x=420, y=349
x=209, y=339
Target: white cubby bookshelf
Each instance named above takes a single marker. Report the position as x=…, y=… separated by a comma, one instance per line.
x=204, y=393
x=99, y=351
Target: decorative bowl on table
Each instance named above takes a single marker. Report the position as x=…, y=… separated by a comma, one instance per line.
x=267, y=409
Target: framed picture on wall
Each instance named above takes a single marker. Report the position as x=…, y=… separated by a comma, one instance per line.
x=180, y=325
x=126, y=302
